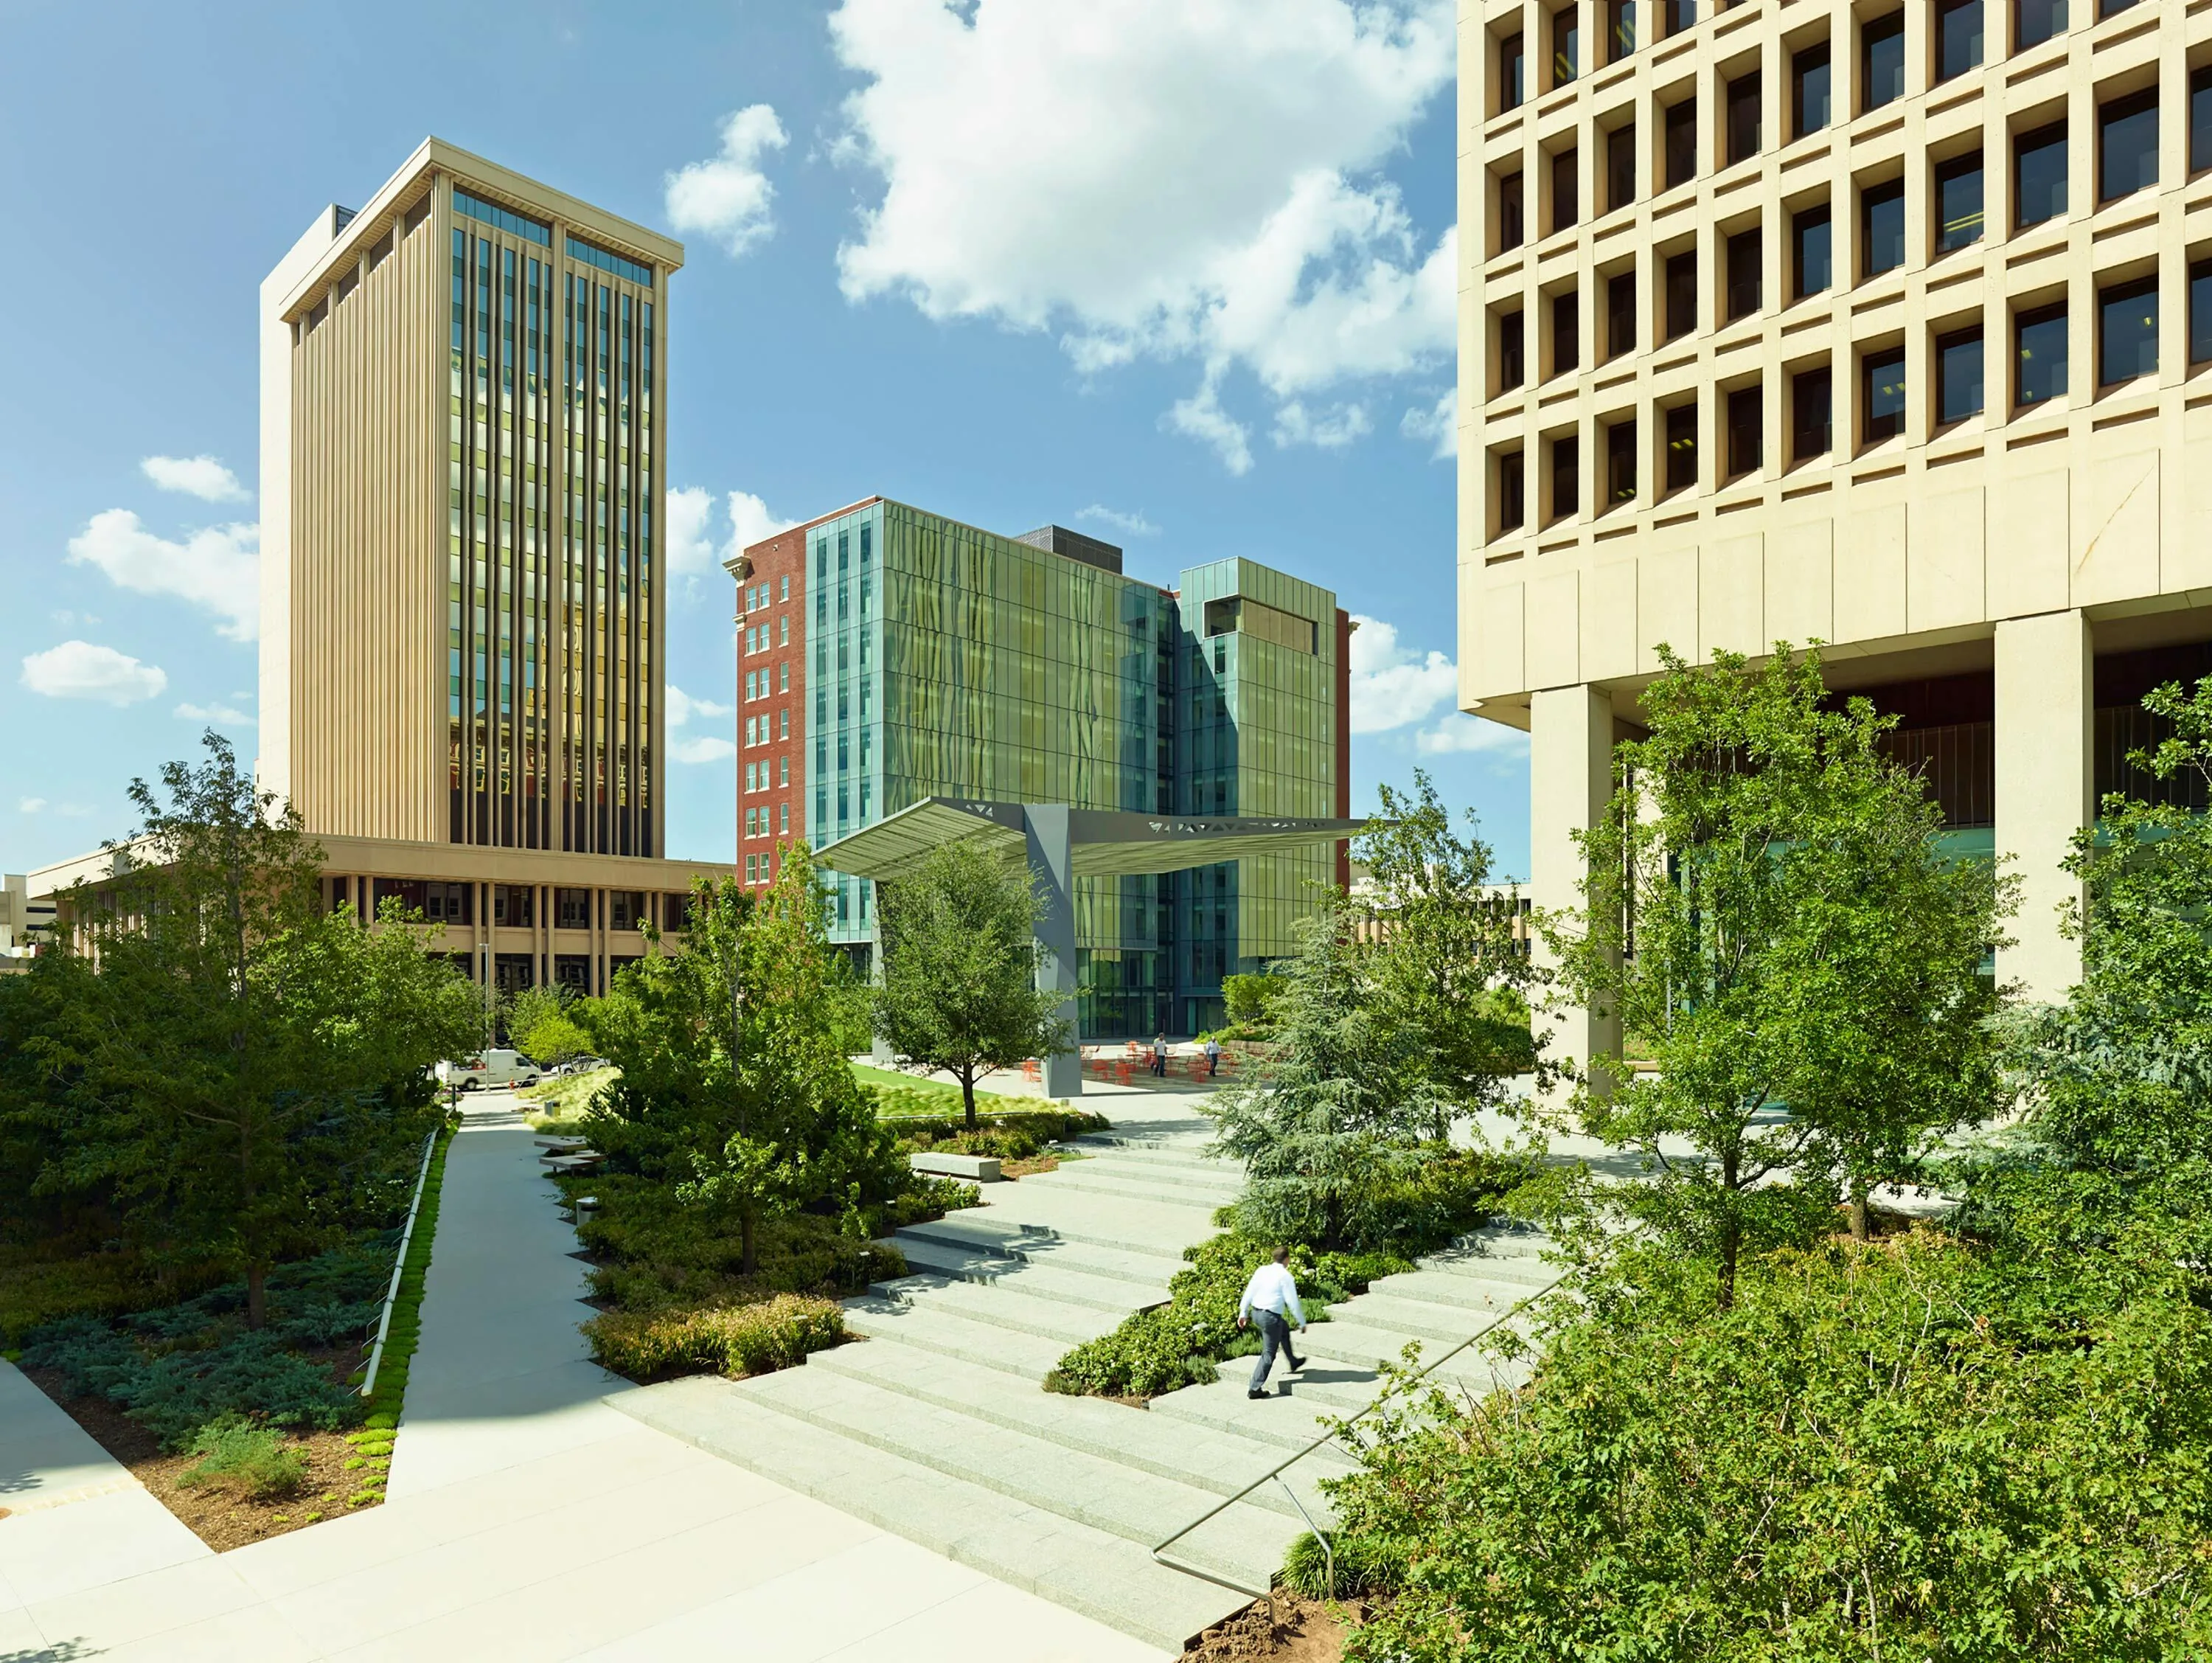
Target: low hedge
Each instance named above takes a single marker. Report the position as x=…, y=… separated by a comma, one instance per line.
x=731, y=1339
x=1179, y=1343
x=1014, y=1135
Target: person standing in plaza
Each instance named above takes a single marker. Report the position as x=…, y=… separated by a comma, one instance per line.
x=1212, y=1056
x=1160, y=1055
x=1271, y=1301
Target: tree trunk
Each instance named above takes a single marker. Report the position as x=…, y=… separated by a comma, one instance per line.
x=1859, y=1231
x=257, y=1295
x=747, y=1235
x=1731, y=1233
x=967, y=1095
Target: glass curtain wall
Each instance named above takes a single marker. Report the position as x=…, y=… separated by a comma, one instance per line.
x=550, y=558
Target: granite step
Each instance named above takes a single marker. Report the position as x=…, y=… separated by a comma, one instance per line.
x=987, y=1235
x=1026, y=1356
x=1101, y=1292
x=1243, y=1542
x=1219, y=1458
x=1045, y=1318
x=1103, y=1575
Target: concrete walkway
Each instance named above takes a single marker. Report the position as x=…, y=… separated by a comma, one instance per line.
x=528, y=1518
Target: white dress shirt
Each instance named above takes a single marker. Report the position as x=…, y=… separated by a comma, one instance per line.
x=1273, y=1290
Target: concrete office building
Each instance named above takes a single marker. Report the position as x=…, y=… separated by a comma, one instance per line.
x=887, y=655
x=1884, y=324
x=462, y=674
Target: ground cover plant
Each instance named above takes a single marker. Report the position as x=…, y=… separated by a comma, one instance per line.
x=734, y=1340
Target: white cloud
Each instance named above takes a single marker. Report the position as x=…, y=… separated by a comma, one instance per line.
x=1129, y=525
x=1200, y=417
x=682, y=707
x=1331, y=430
x=218, y=568
x=31, y=805
x=703, y=750
x=223, y=716
x=1438, y=423
x=1391, y=687
x=1157, y=177
x=202, y=477
x=690, y=545
x=78, y=669
x=751, y=522
x=1460, y=733
x=728, y=198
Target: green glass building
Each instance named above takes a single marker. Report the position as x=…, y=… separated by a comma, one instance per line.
x=890, y=655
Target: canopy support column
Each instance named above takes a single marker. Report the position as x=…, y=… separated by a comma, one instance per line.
x=1051, y=863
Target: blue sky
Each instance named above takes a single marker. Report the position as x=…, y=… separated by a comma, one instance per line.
x=1175, y=272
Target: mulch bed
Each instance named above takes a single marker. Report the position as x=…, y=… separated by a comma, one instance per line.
x=219, y=1519
x=1030, y=1168
x=1288, y=1629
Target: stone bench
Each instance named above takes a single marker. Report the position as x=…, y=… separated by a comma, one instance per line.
x=981, y=1168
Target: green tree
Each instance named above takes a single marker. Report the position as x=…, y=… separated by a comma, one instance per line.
x=1249, y=1000
x=541, y=1026
x=1330, y=1127
x=246, y=1072
x=2118, y=1076
x=733, y=1088
x=958, y=991
x=1443, y=959
x=1741, y=917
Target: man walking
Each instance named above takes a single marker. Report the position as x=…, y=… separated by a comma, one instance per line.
x=1271, y=1299
x=1160, y=1055
x=1212, y=1056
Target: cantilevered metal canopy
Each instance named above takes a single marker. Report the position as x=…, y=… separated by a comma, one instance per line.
x=1101, y=841
x=1059, y=844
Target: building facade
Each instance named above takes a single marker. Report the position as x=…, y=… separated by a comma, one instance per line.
x=888, y=654
x=463, y=435
x=1886, y=325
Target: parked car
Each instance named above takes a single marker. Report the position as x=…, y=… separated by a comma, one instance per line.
x=495, y=1067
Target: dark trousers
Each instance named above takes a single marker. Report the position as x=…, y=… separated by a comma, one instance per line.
x=1274, y=1334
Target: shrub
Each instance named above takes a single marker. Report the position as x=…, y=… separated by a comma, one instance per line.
x=1013, y=1136
x=1177, y=1344
x=733, y=1340
x=1911, y=1440
x=1250, y=1001
x=1363, y=1567
x=1408, y=1207
x=248, y=1461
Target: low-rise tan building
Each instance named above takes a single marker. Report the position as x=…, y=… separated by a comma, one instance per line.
x=463, y=613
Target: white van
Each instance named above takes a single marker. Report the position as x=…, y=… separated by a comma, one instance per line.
x=495, y=1067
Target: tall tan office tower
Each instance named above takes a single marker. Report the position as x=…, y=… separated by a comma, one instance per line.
x=463, y=669
x=1886, y=323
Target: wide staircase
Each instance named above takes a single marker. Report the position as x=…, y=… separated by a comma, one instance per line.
x=936, y=1427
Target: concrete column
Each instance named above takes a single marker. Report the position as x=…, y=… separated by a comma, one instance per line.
x=1570, y=783
x=1051, y=867
x=2045, y=776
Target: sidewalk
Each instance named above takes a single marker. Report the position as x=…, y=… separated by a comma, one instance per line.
x=527, y=1519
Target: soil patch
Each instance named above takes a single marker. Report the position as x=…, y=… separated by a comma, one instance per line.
x=219, y=1519
x=1030, y=1168
x=1288, y=1630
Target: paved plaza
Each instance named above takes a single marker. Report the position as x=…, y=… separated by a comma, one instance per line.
x=528, y=1519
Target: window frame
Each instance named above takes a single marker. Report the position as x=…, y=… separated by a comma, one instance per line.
x=1800, y=62
x=2025, y=318
x=1671, y=428
x=1943, y=173
x=2037, y=142
x=1880, y=429
x=1870, y=197
x=2128, y=107
x=1742, y=399
x=2111, y=296
x=1879, y=32
x=1731, y=247
x=1733, y=101
x=1945, y=11
x=1799, y=222
x=1825, y=377
x=1687, y=257
x=1685, y=129
x=1945, y=344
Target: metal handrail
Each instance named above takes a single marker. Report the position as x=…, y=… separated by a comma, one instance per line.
x=399, y=1266
x=1160, y=1553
